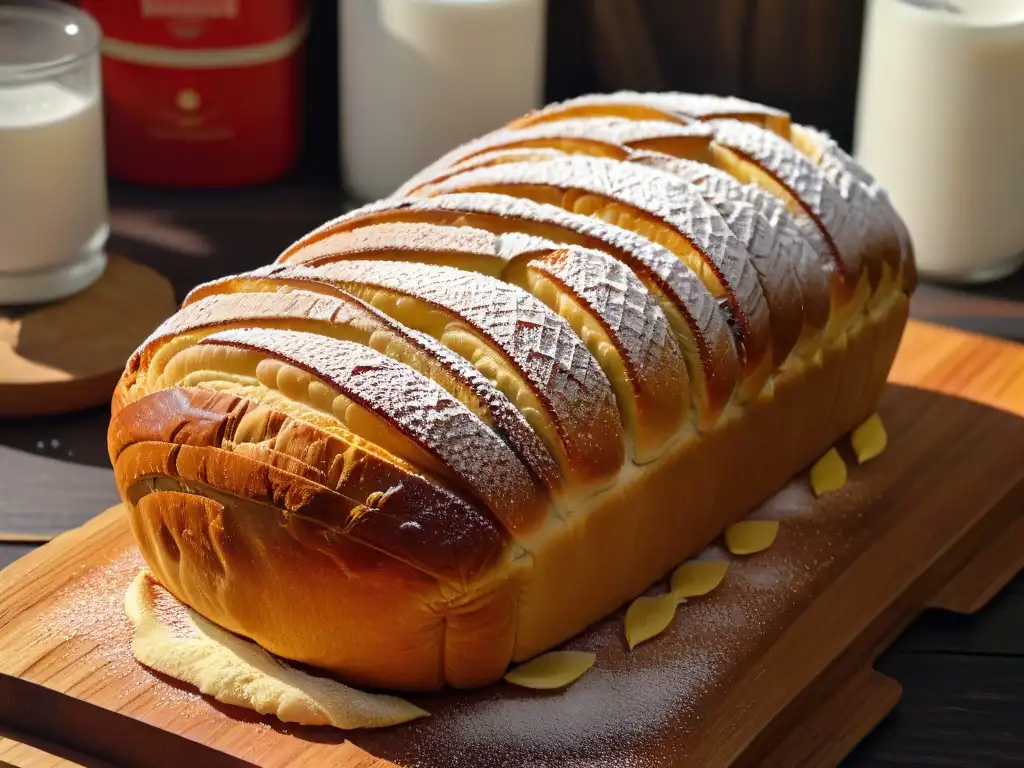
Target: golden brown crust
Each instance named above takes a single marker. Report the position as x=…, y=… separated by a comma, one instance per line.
x=298, y=590
x=598, y=137
x=353, y=461
x=865, y=221
x=586, y=287
x=681, y=108
x=630, y=318
x=635, y=141
x=807, y=259
x=415, y=241
x=842, y=224
x=824, y=151
x=416, y=520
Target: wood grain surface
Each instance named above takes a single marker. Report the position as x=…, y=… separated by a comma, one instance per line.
x=23, y=751
x=848, y=574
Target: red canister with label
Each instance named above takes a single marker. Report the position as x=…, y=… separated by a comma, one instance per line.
x=201, y=93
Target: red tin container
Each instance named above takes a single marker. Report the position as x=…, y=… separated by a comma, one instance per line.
x=201, y=93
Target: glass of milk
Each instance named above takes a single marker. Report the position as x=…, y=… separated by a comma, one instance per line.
x=53, y=193
x=940, y=124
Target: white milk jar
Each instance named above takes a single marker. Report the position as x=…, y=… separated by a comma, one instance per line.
x=940, y=123
x=420, y=77
x=53, y=193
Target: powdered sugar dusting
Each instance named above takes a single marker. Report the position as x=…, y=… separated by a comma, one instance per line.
x=305, y=308
x=380, y=239
x=773, y=255
x=542, y=345
x=89, y=618
x=706, y=319
x=613, y=132
x=631, y=316
x=664, y=197
x=803, y=250
x=506, y=416
x=676, y=106
x=643, y=707
x=483, y=160
x=843, y=224
x=216, y=310
x=417, y=406
x=834, y=155
x=705, y=106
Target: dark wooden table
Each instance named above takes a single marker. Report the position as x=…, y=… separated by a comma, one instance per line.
x=963, y=677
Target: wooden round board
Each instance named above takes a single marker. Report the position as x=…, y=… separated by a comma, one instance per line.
x=68, y=355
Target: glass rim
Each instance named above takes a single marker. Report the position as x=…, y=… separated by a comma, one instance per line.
x=48, y=10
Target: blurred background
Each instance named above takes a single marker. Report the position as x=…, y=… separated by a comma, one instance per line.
x=798, y=55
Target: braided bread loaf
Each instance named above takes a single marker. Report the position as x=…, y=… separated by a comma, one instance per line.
x=450, y=429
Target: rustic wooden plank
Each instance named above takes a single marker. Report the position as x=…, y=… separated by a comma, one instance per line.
x=11, y=552
x=995, y=630
x=973, y=367
x=27, y=752
x=835, y=727
x=987, y=573
x=951, y=705
x=936, y=527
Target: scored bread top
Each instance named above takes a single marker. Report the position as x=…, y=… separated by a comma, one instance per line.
x=661, y=206
x=604, y=301
x=627, y=332
x=412, y=240
x=673, y=106
x=206, y=310
x=556, y=369
x=842, y=225
x=795, y=284
x=827, y=153
x=769, y=245
x=811, y=188
x=602, y=137
x=700, y=324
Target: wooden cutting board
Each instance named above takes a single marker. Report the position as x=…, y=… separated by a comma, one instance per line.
x=772, y=668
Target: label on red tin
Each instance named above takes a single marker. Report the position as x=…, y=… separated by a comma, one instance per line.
x=190, y=9
x=197, y=24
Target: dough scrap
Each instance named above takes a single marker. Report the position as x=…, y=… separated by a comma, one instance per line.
x=176, y=641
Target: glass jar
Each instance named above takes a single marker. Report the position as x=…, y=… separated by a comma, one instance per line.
x=53, y=189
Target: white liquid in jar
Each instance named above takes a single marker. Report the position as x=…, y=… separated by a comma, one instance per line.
x=53, y=197
x=939, y=124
